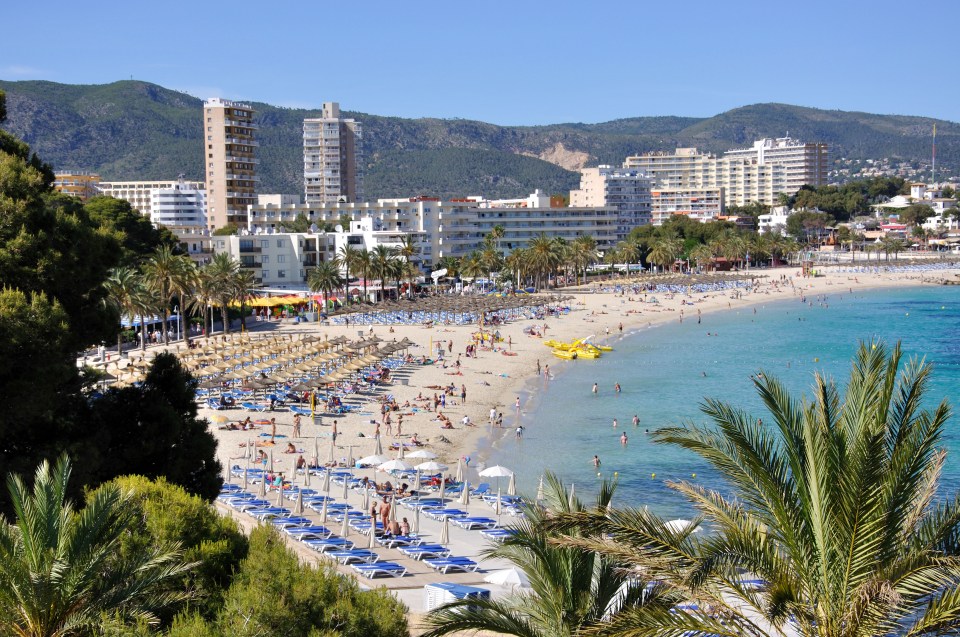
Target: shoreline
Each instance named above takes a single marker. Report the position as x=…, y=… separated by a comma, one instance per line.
x=495, y=380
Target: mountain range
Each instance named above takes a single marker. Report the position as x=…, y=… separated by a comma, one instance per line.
x=137, y=130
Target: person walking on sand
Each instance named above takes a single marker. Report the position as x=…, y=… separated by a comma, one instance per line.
x=538, y=367
x=334, y=432
x=493, y=415
x=296, y=425
x=463, y=394
x=518, y=403
x=273, y=429
x=519, y=432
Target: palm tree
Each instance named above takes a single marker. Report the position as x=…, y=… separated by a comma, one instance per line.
x=62, y=571
x=473, y=266
x=833, y=505
x=702, y=254
x=125, y=292
x=407, y=250
x=516, y=263
x=203, y=296
x=167, y=273
x=245, y=282
x=324, y=278
x=495, y=235
x=346, y=259
x=542, y=258
x=364, y=263
x=571, y=588
x=380, y=258
x=664, y=251
x=583, y=253
x=223, y=270
x=628, y=252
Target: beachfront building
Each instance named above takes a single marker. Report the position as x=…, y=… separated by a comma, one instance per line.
x=332, y=158
x=762, y=172
x=701, y=204
x=77, y=184
x=625, y=189
x=455, y=227
x=282, y=260
x=775, y=222
x=181, y=204
x=139, y=194
x=230, y=161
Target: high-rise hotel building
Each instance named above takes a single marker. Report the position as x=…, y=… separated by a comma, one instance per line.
x=758, y=173
x=332, y=158
x=230, y=160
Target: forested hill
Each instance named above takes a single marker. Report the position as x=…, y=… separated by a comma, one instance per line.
x=137, y=130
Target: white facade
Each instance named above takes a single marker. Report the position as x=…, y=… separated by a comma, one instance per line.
x=759, y=173
x=282, y=260
x=180, y=205
x=332, y=158
x=626, y=190
x=699, y=204
x=774, y=222
x=139, y=193
x=455, y=228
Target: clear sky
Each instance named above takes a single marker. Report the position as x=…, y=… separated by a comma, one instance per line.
x=506, y=62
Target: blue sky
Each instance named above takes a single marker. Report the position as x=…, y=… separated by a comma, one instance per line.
x=505, y=62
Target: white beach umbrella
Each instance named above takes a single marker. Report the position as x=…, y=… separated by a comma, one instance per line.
x=366, y=499
x=394, y=465
x=330, y=452
x=326, y=482
x=400, y=451
x=431, y=466
x=496, y=471
x=271, y=461
x=511, y=577
x=306, y=476
x=350, y=455
x=497, y=505
x=293, y=469
x=443, y=488
x=378, y=448
x=512, y=485
x=540, y=495
x=316, y=448
x=262, y=491
x=422, y=454
x=245, y=478
x=280, y=493
x=445, y=531
x=346, y=485
x=393, y=510
x=323, y=511
x=465, y=494
x=459, y=474
x=372, y=540
x=345, y=527
x=373, y=461
x=299, y=507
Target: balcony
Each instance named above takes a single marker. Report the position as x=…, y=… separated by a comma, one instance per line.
x=242, y=142
x=239, y=124
x=251, y=264
x=248, y=247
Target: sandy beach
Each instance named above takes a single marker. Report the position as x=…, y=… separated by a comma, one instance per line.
x=495, y=380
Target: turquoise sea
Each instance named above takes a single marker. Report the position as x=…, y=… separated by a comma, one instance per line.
x=666, y=371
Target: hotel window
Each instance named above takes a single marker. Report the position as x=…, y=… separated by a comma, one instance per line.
x=264, y=243
x=266, y=274
x=281, y=274
x=266, y=258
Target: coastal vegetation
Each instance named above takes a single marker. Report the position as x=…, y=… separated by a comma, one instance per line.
x=831, y=521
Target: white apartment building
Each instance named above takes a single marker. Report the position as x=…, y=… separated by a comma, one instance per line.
x=230, y=161
x=624, y=189
x=140, y=193
x=758, y=173
x=332, y=158
x=282, y=260
x=775, y=222
x=179, y=205
x=699, y=204
x=457, y=227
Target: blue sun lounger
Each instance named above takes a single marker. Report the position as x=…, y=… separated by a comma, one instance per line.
x=268, y=513
x=291, y=522
x=471, y=523
x=380, y=568
x=425, y=551
x=361, y=556
x=497, y=535
x=258, y=407
x=330, y=544
x=439, y=514
x=396, y=541
x=246, y=504
x=303, y=411
x=309, y=532
x=447, y=564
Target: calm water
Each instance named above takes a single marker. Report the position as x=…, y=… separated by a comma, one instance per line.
x=661, y=371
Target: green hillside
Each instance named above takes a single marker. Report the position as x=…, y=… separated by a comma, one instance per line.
x=133, y=130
